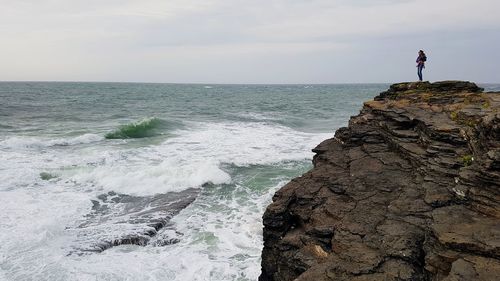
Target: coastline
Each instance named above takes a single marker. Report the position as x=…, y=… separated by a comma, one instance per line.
x=408, y=191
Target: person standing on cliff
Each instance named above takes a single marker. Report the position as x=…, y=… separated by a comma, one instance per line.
x=421, y=59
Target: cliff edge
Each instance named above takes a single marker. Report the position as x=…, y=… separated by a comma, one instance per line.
x=410, y=190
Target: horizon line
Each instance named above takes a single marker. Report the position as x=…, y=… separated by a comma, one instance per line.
x=218, y=83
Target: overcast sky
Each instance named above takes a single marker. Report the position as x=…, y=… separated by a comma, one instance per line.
x=252, y=41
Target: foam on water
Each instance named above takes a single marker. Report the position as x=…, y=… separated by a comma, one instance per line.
x=37, y=142
x=242, y=143
x=195, y=156
x=215, y=245
x=219, y=233
x=190, y=159
x=33, y=230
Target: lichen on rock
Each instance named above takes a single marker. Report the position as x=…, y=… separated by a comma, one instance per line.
x=410, y=190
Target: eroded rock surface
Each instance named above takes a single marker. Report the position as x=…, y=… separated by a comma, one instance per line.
x=410, y=190
x=120, y=219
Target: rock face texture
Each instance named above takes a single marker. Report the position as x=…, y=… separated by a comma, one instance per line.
x=410, y=190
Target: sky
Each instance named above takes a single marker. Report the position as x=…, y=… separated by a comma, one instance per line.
x=252, y=41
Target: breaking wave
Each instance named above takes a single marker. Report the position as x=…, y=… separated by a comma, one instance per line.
x=147, y=127
x=42, y=142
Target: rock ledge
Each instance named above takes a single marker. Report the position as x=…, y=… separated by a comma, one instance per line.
x=410, y=190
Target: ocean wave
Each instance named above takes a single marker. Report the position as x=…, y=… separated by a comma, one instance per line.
x=198, y=153
x=147, y=127
x=41, y=142
x=259, y=117
x=5, y=126
x=223, y=226
x=149, y=179
x=241, y=143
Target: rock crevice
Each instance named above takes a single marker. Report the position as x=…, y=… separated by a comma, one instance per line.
x=408, y=191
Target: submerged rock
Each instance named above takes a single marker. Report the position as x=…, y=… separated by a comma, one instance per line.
x=410, y=190
x=119, y=219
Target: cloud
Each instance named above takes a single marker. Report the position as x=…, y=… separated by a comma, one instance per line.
x=59, y=40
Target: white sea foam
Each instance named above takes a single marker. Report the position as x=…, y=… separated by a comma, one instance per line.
x=195, y=157
x=151, y=178
x=33, y=230
x=242, y=143
x=215, y=245
x=35, y=142
x=190, y=159
x=260, y=116
x=220, y=234
x=22, y=159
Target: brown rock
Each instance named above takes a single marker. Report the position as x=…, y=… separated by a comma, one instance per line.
x=410, y=190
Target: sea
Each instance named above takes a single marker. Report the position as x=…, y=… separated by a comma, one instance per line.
x=137, y=181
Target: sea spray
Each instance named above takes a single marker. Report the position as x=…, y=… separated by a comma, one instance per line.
x=147, y=127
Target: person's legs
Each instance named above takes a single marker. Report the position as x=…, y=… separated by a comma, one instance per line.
x=419, y=72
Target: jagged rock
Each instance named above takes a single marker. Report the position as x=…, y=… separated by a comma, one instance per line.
x=410, y=190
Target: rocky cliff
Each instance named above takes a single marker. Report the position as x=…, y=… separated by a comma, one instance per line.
x=410, y=190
